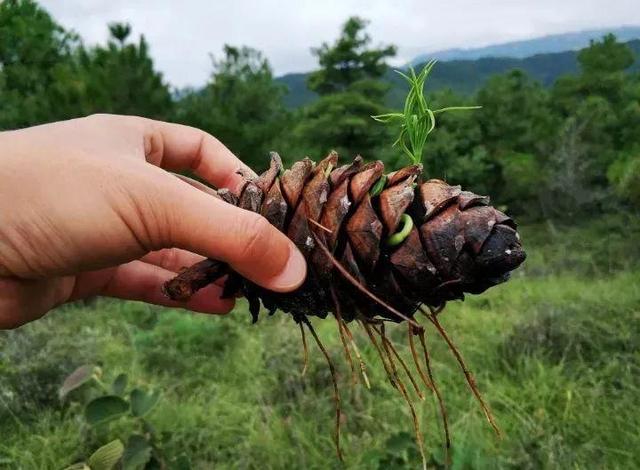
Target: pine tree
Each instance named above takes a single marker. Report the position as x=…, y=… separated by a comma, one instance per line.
x=241, y=105
x=350, y=90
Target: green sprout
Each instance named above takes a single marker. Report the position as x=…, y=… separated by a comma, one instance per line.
x=406, y=225
x=417, y=120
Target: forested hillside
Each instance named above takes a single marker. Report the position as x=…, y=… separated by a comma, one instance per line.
x=463, y=76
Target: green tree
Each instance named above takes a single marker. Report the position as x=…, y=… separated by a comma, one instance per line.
x=603, y=68
x=348, y=60
x=350, y=90
x=629, y=113
x=120, y=78
x=515, y=115
x=241, y=105
x=36, y=66
x=454, y=150
x=624, y=175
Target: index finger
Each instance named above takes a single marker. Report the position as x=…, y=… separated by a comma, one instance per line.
x=177, y=147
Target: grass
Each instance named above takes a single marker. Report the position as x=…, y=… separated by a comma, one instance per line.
x=555, y=352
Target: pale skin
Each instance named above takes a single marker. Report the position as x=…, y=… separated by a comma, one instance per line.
x=91, y=207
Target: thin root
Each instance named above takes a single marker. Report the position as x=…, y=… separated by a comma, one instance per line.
x=405, y=395
x=380, y=353
x=320, y=226
x=414, y=355
x=363, y=367
x=436, y=390
x=390, y=345
x=357, y=284
x=345, y=346
x=336, y=392
x=470, y=380
x=305, y=349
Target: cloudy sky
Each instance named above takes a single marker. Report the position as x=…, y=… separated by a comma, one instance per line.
x=182, y=33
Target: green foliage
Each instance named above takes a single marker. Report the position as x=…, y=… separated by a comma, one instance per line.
x=142, y=402
x=524, y=174
x=137, y=453
x=349, y=60
x=515, y=115
x=241, y=105
x=465, y=77
x=602, y=66
x=106, y=457
x=605, y=57
x=105, y=408
x=119, y=384
x=340, y=122
x=624, y=174
x=33, y=363
x=350, y=91
x=46, y=74
x=35, y=65
x=120, y=78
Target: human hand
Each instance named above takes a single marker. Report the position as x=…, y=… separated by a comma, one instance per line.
x=88, y=207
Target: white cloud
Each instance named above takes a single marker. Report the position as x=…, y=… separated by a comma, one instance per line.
x=183, y=33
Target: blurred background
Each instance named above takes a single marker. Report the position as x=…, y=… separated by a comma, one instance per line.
x=556, y=144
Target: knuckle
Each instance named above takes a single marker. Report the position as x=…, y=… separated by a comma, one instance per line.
x=146, y=219
x=257, y=233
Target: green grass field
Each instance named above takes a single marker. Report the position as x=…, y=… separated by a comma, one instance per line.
x=555, y=351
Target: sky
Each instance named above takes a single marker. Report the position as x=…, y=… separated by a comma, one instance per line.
x=183, y=34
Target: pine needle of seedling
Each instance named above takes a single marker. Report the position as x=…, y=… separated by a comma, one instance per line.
x=416, y=120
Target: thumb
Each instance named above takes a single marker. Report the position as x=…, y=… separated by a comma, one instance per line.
x=206, y=225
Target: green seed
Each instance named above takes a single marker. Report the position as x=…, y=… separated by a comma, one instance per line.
x=406, y=225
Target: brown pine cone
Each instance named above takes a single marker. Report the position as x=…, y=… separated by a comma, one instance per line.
x=405, y=241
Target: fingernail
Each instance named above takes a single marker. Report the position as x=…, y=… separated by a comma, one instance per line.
x=293, y=274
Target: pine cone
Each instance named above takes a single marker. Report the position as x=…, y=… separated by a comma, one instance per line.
x=457, y=244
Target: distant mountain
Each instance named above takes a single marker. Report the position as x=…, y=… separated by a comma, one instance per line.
x=298, y=94
x=543, y=45
x=463, y=76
